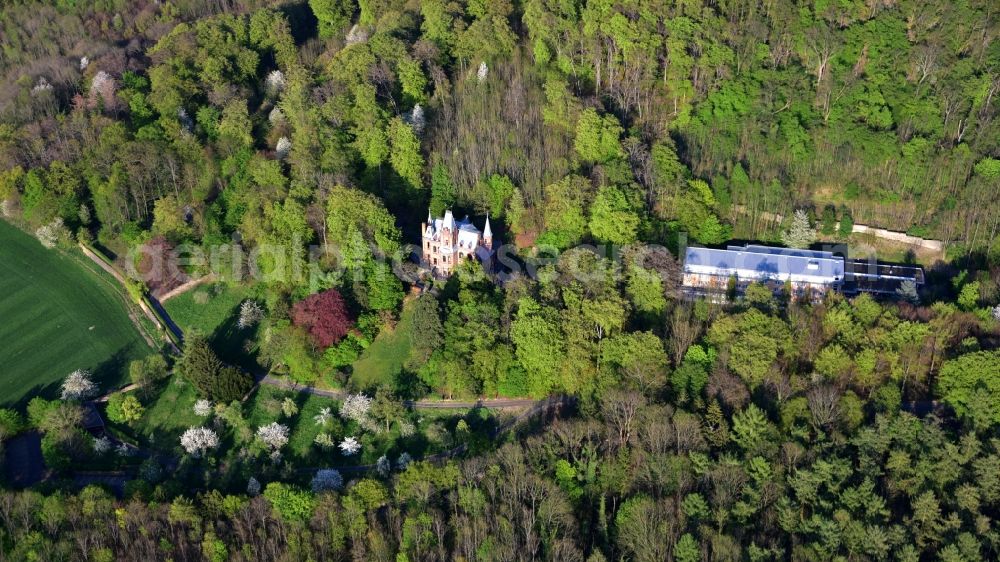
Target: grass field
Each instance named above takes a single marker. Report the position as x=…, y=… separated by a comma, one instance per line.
x=57, y=316
x=384, y=358
x=213, y=311
x=168, y=415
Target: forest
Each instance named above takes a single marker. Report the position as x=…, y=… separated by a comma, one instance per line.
x=599, y=137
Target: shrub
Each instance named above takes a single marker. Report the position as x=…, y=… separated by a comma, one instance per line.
x=11, y=422
x=289, y=502
x=124, y=408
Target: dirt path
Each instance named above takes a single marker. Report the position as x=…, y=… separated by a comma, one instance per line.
x=106, y=397
x=933, y=249
x=186, y=287
x=170, y=327
x=121, y=279
x=102, y=264
x=129, y=309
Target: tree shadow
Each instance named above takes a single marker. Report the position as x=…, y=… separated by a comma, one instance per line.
x=301, y=20
x=49, y=390
x=228, y=342
x=113, y=369
x=407, y=385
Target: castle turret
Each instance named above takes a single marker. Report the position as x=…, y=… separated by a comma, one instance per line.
x=488, y=234
x=448, y=228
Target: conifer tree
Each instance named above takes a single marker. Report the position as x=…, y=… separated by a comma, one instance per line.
x=801, y=233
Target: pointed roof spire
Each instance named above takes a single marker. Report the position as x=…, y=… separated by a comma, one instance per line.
x=430, y=219
x=487, y=232
x=449, y=220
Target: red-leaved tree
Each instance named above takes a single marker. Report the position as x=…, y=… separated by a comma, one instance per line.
x=324, y=315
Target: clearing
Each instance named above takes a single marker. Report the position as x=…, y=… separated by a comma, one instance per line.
x=56, y=316
x=213, y=310
x=383, y=359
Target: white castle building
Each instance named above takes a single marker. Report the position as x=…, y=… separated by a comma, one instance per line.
x=447, y=241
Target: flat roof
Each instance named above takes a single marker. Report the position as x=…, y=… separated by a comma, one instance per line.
x=763, y=262
x=867, y=268
x=774, y=250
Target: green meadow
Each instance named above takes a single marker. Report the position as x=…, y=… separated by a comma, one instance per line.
x=58, y=315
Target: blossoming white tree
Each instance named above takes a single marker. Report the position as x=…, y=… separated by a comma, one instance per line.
x=102, y=89
x=49, y=234
x=406, y=429
x=197, y=440
x=78, y=386
x=356, y=408
x=417, y=120
x=403, y=461
x=42, y=85
x=283, y=147
x=323, y=417
x=274, y=435
x=800, y=234
x=185, y=120
x=250, y=314
x=327, y=479
x=350, y=446
x=357, y=34
x=253, y=486
x=274, y=84
x=102, y=445
x=383, y=466
x=483, y=71
x=203, y=408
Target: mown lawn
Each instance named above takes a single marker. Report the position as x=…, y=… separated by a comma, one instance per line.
x=169, y=413
x=384, y=358
x=213, y=311
x=265, y=407
x=57, y=316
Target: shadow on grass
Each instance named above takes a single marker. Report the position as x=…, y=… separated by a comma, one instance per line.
x=228, y=342
x=110, y=374
x=50, y=391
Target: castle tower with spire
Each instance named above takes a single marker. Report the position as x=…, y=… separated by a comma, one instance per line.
x=447, y=241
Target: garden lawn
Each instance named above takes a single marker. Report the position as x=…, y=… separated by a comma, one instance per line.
x=168, y=415
x=383, y=359
x=265, y=407
x=214, y=310
x=57, y=316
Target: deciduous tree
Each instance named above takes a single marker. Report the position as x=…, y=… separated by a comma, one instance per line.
x=324, y=315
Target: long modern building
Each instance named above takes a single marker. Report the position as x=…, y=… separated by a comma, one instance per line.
x=809, y=273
